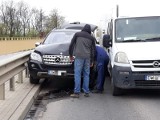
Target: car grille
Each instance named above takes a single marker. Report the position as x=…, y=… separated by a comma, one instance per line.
x=146, y=64
x=147, y=83
x=56, y=60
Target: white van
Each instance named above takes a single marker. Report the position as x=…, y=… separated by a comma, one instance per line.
x=133, y=44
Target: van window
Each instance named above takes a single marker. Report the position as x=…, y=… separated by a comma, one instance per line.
x=137, y=28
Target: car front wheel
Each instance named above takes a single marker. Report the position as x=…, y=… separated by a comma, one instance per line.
x=115, y=90
x=34, y=80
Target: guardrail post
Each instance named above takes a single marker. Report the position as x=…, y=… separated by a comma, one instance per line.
x=12, y=84
x=27, y=72
x=20, y=77
x=2, y=92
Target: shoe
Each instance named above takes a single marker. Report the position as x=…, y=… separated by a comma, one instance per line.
x=74, y=95
x=86, y=94
x=97, y=91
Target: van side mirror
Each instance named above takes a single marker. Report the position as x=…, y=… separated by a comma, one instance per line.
x=107, y=41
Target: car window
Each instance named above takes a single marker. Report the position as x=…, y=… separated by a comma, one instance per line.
x=59, y=37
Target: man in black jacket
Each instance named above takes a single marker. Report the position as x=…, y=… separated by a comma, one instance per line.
x=83, y=45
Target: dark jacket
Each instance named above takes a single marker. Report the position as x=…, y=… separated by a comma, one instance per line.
x=83, y=44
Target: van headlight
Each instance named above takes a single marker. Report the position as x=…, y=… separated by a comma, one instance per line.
x=36, y=56
x=121, y=57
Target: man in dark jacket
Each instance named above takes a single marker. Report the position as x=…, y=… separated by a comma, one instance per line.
x=83, y=45
x=102, y=60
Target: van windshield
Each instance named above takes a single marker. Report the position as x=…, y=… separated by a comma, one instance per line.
x=138, y=29
x=59, y=37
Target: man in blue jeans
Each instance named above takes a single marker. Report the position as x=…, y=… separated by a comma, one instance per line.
x=102, y=60
x=83, y=45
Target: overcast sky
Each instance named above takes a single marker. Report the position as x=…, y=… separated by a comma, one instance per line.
x=95, y=11
x=76, y=10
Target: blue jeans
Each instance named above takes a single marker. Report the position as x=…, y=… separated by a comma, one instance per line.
x=81, y=66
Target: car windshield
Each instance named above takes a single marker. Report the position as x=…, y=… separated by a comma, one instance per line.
x=140, y=29
x=59, y=37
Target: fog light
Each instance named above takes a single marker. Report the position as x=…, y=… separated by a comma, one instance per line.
x=123, y=73
x=32, y=65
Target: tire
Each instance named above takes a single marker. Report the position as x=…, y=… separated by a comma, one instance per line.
x=115, y=90
x=33, y=80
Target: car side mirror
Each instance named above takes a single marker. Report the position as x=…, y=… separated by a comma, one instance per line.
x=107, y=41
x=37, y=44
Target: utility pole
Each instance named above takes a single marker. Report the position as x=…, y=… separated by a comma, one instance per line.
x=117, y=10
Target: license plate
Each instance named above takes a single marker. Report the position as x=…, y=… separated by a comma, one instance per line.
x=52, y=72
x=56, y=72
x=152, y=77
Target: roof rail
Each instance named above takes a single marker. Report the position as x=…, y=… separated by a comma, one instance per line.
x=75, y=23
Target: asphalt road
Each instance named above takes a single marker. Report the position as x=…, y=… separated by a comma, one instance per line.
x=55, y=104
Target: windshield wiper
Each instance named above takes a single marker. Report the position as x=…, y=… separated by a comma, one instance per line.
x=133, y=40
x=153, y=39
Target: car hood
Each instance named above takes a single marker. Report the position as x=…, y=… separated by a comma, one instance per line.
x=53, y=49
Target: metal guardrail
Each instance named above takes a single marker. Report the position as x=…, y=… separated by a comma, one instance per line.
x=11, y=67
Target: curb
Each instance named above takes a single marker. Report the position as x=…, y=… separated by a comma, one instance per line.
x=25, y=105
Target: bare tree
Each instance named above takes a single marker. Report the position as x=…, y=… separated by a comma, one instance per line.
x=11, y=14
x=37, y=21
x=18, y=25
x=8, y=18
x=54, y=20
x=3, y=16
x=40, y=21
x=17, y=19
x=24, y=15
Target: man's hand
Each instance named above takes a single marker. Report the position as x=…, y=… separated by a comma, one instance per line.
x=71, y=58
x=91, y=64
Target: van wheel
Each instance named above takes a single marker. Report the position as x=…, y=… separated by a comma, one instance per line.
x=33, y=80
x=115, y=90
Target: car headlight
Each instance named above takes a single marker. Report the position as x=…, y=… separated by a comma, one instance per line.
x=36, y=56
x=121, y=57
